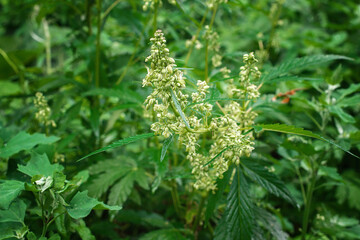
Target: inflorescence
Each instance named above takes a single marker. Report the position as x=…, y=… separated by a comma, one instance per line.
x=230, y=136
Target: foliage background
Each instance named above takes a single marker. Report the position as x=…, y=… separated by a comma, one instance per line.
x=87, y=57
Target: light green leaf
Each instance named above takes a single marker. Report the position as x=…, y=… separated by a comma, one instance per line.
x=119, y=143
x=9, y=190
x=330, y=172
x=267, y=180
x=178, y=108
x=165, y=147
x=299, y=63
x=16, y=212
x=25, y=141
x=298, y=131
x=83, y=231
x=341, y=114
x=8, y=229
x=81, y=205
x=39, y=165
x=164, y=234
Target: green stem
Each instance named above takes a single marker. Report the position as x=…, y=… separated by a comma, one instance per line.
x=196, y=37
x=47, y=46
x=309, y=196
x=98, y=43
x=198, y=215
x=43, y=234
x=175, y=197
x=155, y=16
x=108, y=10
x=206, y=61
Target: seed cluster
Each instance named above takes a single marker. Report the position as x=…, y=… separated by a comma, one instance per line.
x=43, y=110
x=230, y=138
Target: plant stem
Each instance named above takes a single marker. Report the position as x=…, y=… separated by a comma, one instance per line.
x=155, y=16
x=43, y=234
x=309, y=196
x=47, y=46
x=198, y=215
x=196, y=37
x=98, y=43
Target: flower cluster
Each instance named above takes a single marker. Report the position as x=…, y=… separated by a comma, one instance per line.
x=213, y=3
x=230, y=140
x=213, y=45
x=43, y=110
x=151, y=3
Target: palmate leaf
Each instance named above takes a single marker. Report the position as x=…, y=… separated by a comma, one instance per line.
x=267, y=180
x=81, y=205
x=119, y=143
x=25, y=141
x=238, y=220
x=299, y=63
x=297, y=131
x=121, y=190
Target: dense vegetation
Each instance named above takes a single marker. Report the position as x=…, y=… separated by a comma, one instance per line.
x=179, y=119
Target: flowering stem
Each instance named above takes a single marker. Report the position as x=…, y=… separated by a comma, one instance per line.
x=196, y=37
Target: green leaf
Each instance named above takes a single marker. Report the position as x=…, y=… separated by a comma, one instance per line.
x=345, y=117
x=119, y=143
x=25, y=141
x=16, y=212
x=178, y=108
x=164, y=234
x=55, y=237
x=141, y=178
x=165, y=147
x=8, y=229
x=81, y=205
x=267, y=180
x=128, y=95
x=349, y=102
x=217, y=155
x=269, y=222
x=121, y=190
x=299, y=131
x=240, y=208
x=330, y=172
x=299, y=63
x=83, y=231
x=39, y=165
x=213, y=199
x=9, y=190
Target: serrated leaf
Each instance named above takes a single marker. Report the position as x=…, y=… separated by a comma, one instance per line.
x=165, y=147
x=178, y=108
x=83, y=231
x=239, y=219
x=164, y=234
x=121, y=190
x=141, y=178
x=221, y=232
x=213, y=199
x=25, y=141
x=81, y=205
x=345, y=117
x=267, y=180
x=9, y=191
x=299, y=131
x=15, y=213
x=330, y=172
x=269, y=222
x=299, y=63
x=39, y=165
x=119, y=143
x=104, y=181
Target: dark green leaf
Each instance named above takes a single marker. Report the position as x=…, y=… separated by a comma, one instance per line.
x=9, y=190
x=165, y=147
x=164, y=234
x=178, y=108
x=121, y=190
x=81, y=205
x=15, y=213
x=119, y=143
x=267, y=180
x=25, y=141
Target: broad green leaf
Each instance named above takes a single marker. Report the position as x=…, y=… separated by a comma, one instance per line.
x=119, y=143
x=141, y=178
x=9, y=88
x=267, y=180
x=83, y=231
x=349, y=102
x=55, y=237
x=345, y=117
x=239, y=219
x=121, y=190
x=299, y=63
x=81, y=205
x=15, y=213
x=39, y=165
x=299, y=131
x=178, y=108
x=8, y=229
x=165, y=147
x=330, y=172
x=163, y=234
x=9, y=190
x=25, y=141
x=345, y=92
